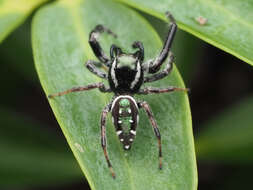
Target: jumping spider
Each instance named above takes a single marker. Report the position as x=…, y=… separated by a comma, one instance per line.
x=126, y=75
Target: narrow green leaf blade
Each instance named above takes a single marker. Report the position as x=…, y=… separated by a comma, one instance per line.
x=31, y=155
x=13, y=13
x=228, y=137
x=60, y=43
x=229, y=23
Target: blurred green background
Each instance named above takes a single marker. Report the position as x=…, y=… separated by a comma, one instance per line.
x=221, y=103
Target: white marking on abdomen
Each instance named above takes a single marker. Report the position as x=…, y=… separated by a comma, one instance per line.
x=127, y=146
x=133, y=132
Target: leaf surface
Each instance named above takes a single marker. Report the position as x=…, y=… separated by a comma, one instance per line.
x=229, y=23
x=60, y=52
x=13, y=13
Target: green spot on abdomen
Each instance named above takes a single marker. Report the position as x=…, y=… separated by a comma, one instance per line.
x=124, y=102
x=125, y=115
x=126, y=125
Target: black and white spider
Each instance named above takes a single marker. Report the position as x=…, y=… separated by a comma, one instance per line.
x=126, y=75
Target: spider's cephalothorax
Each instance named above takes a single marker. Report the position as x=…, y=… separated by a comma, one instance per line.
x=126, y=74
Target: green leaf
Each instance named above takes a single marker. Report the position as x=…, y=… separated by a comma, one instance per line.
x=31, y=155
x=13, y=13
x=60, y=43
x=229, y=22
x=228, y=137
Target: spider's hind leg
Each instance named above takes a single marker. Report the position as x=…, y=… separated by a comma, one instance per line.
x=93, y=41
x=147, y=109
x=103, y=137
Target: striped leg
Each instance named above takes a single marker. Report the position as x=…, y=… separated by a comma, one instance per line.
x=93, y=40
x=156, y=64
x=155, y=128
x=103, y=137
x=163, y=73
x=99, y=85
x=91, y=66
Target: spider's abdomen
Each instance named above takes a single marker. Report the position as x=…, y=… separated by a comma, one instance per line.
x=125, y=118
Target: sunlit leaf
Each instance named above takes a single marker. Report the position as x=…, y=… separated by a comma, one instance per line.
x=13, y=13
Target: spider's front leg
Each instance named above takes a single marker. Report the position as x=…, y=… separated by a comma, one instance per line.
x=93, y=41
x=163, y=73
x=155, y=65
x=91, y=66
x=103, y=137
x=147, y=109
x=99, y=85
